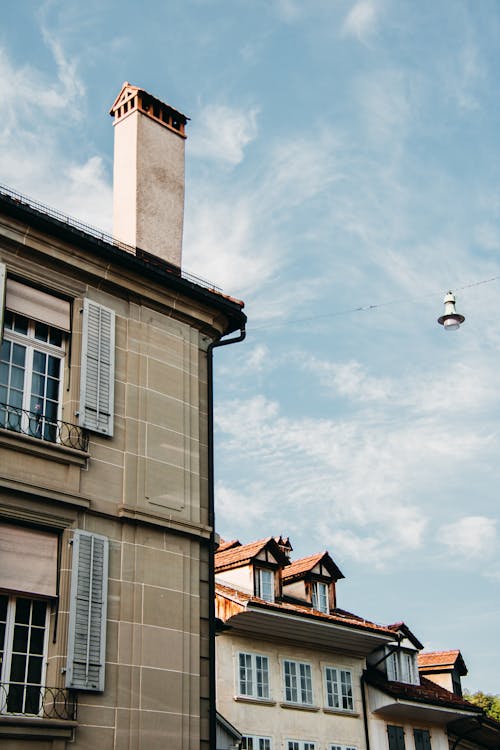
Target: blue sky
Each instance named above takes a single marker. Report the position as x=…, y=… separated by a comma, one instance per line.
x=342, y=154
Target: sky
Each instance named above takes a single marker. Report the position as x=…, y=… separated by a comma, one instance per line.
x=342, y=174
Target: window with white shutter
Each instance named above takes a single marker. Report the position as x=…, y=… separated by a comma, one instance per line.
x=87, y=613
x=98, y=368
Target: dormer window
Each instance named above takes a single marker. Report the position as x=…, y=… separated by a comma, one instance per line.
x=264, y=584
x=320, y=597
x=402, y=666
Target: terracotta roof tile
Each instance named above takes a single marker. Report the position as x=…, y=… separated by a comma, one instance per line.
x=439, y=661
x=239, y=555
x=426, y=692
x=298, y=568
x=338, y=616
x=223, y=544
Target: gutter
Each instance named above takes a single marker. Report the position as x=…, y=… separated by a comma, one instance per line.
x=211, y=523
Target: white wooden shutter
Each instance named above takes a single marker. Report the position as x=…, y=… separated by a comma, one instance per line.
x=3, y=277
x=87, y=612
x=98, y=368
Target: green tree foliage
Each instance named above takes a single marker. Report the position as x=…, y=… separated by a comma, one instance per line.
x=489, y=703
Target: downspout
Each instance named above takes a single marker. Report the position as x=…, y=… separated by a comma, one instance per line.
x=390, y=650
x=365, y=711
x=211, y=523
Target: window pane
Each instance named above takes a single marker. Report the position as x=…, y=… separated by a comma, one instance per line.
x=54, y=367
x=15, y=699
x=38, y=385
x=18, y=355
x=23, y=611
x=21, y=324
x=18, y=668
x=36, y=641
x=16, y=378
x=4, y=372
x=20, y=640
x=32, y=700
x=39, y=361
x=52, y=389
x=55, y=337
x=39, y=610
x=35, y=669
x=41, y=331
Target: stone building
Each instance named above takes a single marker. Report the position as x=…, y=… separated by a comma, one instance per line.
x=106, y=501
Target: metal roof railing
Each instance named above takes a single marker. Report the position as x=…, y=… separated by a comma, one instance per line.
x=93, y=231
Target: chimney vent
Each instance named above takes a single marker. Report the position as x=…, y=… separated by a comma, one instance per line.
x=148, y=175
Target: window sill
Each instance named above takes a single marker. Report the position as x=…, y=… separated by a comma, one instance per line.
x=42, y=448
x=300, y=707
x=256, y=701
x=340, y=712
x=33, y=728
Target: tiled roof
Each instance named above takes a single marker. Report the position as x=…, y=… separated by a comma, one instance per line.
x=235, y=556
x=426, y=692
x=223, y=544
x=298, y=568
x=338, y=616
x=401, y=627
x=434, y=661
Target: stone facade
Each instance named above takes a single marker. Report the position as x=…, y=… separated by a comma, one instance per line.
x=145, y=488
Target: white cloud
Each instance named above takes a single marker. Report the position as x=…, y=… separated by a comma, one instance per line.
x=469, y=538
x=257, y=358
x=221, y=133
x=360, y=21
x=31, y=159
x=241, y=243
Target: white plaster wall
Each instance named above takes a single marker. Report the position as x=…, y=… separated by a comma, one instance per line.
x=239, y=578
x=274, y=720
x=379, y=739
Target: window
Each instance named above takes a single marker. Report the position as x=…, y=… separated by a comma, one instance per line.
x=252, y=742
x=300, y=745
x=23, y=643
x=422, y=739
x=339, y=689
x=264, y=584
x=320, y=597
x=341, y=747
x=396, y=737
x=253, y=676
x=31, y=366
x=401, y=667
x=35, y=330
x=298, y=682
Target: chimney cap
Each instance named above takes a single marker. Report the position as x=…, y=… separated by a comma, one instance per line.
x=132, y=98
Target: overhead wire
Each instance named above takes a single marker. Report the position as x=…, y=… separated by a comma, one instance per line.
x=365, y=308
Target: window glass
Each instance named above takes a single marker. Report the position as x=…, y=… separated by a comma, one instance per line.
x=338, y=683
x=30, y=377
x=320, y=597
x=22, y=652
x=264, y=583
x=253, y=671
x=298, y=682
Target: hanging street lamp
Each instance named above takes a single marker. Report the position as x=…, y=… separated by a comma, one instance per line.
x=451, y=320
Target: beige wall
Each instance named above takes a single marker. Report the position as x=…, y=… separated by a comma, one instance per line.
x=379, y=740
x=273, y=719
x=146, y=488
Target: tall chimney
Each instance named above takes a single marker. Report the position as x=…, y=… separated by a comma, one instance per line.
x=148, y=175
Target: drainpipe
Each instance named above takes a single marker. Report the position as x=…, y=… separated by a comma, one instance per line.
x=211, y=523
x=365, y=712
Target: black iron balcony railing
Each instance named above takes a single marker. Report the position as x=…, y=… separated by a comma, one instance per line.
x=35, y=424
x=37, y=700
